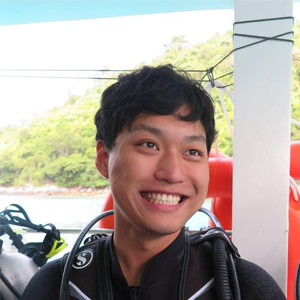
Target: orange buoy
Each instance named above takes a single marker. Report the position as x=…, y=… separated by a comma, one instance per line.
x=222, y=208
x=294, y=222
x=220, y=177
x=295, y=160
x=294, y=243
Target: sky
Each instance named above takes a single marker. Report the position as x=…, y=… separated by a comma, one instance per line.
x=114, y=43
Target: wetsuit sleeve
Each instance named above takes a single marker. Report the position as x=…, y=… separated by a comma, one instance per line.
x=45, y=284
x=256, y=283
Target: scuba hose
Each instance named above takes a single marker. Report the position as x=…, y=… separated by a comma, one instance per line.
x=63, y=294
x=223, y=264
x=221, y=270
x=223, y=249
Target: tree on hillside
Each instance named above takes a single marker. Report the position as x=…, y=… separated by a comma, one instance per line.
x=59, y=148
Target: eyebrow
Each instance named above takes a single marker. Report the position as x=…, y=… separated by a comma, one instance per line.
x=195, y=138
x=144, y=127
x=160, y=133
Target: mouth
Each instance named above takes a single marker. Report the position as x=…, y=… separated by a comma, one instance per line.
x=163, y=199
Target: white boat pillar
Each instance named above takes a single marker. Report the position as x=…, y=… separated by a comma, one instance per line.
x=262, y=88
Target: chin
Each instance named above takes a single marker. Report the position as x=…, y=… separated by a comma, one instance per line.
x=166, y=230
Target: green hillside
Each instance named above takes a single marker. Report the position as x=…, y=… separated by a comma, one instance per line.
x=59, y=148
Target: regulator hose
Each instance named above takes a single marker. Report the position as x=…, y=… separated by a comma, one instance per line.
x=221, y=270
x=234, y=279
x=63, y=295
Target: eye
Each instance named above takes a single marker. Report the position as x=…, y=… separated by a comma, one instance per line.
x=150, y=145
x=193, y=152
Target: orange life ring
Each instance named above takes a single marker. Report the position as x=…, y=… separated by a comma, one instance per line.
x=220, y=177
x=294, y=222
x=220, y=188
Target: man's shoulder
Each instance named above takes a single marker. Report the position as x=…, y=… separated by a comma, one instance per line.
x=45, y=284
x=259, y=281
x=254, y=281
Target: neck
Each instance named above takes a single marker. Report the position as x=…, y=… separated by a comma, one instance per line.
x=140, y=249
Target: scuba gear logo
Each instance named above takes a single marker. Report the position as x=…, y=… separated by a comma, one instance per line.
x=83, y=259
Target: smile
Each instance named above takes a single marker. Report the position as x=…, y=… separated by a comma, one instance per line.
x=163, y=199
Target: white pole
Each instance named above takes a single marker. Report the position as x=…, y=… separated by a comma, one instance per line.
x=262, y=86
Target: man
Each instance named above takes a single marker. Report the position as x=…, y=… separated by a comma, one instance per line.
x=155, y=129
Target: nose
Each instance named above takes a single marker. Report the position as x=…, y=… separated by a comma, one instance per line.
x=170, y=168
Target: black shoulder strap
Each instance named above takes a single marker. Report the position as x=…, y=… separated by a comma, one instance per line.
x=63, y=262
x=100, y=245
x=184, y=267
x=91, y=242
x=103, y=271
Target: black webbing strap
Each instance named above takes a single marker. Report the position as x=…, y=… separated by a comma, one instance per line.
x=184, y=267
x=103, y=270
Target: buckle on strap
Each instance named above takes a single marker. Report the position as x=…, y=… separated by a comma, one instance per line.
x=217, y=232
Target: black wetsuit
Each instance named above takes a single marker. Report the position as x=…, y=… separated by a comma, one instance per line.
x=162, y=279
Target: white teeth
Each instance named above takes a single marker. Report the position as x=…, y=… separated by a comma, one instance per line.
x=161, y=198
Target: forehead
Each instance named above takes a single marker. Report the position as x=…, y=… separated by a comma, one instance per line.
x=183, y=111
x=166, y=125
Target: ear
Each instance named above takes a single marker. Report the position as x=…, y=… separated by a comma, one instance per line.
x=101, y=160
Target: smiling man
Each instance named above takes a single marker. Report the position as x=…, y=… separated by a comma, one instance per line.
x=155, y=128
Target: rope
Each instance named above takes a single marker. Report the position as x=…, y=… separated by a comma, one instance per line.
x=294, y=187
x=295, y=122
x=220, y=84
x=209, y=72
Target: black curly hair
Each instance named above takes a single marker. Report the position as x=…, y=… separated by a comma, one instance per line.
x=158, y=90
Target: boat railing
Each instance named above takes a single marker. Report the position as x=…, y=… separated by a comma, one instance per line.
x=69, y=234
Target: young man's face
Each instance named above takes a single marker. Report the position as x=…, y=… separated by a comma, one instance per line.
x=158, y=173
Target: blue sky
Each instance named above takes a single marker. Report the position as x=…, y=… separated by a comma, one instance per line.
x=33, y=11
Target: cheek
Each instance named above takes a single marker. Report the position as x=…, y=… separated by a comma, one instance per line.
x=123, y=169
x=201, y=178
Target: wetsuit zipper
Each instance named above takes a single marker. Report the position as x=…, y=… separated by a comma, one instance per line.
x=134, y=293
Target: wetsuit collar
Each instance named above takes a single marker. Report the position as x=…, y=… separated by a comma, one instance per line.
x=160, y=266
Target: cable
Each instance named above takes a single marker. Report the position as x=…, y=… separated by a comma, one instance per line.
x=262, y=20
x=63, y=295
x=69, y=77
x=208, y=72
x=64, y=70
x=263, y=39
x=60, y=77
x=81, y=70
